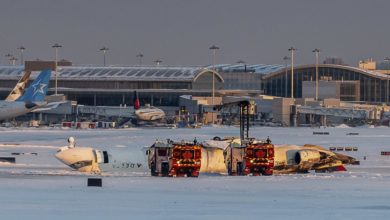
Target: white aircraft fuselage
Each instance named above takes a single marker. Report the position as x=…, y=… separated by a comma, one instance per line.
x=86, y=159
x=16, y=108
x=135, y=159
x=149, y=114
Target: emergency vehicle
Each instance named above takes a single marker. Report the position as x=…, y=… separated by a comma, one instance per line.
x=251, y=157
x=175, y=158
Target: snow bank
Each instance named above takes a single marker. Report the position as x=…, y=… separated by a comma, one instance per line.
x=342, y=126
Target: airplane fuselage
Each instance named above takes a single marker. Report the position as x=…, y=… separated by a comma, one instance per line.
x=14, y=109
x=149, y=114
x=130, y=159
x=288, y=159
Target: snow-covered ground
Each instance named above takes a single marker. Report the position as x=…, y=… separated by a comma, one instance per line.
x=40, y=187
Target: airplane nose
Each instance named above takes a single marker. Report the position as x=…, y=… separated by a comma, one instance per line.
x=76, y=157
x=61, y=156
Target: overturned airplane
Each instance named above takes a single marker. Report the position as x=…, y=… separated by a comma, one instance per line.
x=256, y=157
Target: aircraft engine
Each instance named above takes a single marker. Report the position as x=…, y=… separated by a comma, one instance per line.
x=304, y=157
x=30, y=105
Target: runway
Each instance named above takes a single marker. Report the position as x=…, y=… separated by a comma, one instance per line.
x=40, y=187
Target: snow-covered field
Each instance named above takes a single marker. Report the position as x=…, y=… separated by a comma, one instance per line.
x=40, y=187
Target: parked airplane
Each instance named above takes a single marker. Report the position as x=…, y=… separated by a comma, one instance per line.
x=287, y=158
x=147, y=113
x=33, y=98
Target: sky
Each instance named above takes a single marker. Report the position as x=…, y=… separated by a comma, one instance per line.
x=180, y=32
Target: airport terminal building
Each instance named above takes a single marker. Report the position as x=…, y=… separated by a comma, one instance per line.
x=163, y=85
x=114, y=86
x=355, y=84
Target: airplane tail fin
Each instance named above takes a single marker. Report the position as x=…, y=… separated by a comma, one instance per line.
x=136, y=101
x=19, y=87
x=37, y=90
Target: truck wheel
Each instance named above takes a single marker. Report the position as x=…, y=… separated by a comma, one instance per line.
x=164, y=169
x=195, y=173
x=267, y=172
x=239, y=169
x=153, y=170
x=229, y=169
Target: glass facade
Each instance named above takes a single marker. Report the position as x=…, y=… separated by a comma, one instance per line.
x=373, y=87
x=348, y=91
x=241, y=80
x=109, y=84
x=125, y=98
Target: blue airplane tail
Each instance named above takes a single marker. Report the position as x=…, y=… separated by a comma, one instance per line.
x=37, y=90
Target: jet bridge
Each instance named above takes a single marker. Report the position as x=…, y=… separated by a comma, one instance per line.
x=339, y=112
x=107, y=111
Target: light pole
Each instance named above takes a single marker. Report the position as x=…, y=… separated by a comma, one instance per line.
x=157, y=62
x=317, y=52
x=13, y=60
x=285, y=58
x=21, y=48
x=8, y=55
x=56, y=46
x=387, y=76
x=104, y=50
x=140, y=56
x=214, y=49
x=292, y=49
x=243, y=63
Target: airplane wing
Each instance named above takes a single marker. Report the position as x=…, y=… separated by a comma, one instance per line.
x=49, y=106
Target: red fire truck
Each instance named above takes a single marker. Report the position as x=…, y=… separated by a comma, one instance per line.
x=250, y=157
x=175, y=159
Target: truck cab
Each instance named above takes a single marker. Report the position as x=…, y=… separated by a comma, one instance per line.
x=255, y=157
x=175, y=158
x=158, y=158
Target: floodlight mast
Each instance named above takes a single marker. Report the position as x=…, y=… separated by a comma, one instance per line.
x=56, y=47
x=214, y=49
x=292, y=50
x=285, y=58
x=140, y=56
x=21, y=48
x=104, y=50
x=317, y=52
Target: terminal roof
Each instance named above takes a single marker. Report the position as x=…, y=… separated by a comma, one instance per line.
x=133, y=73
